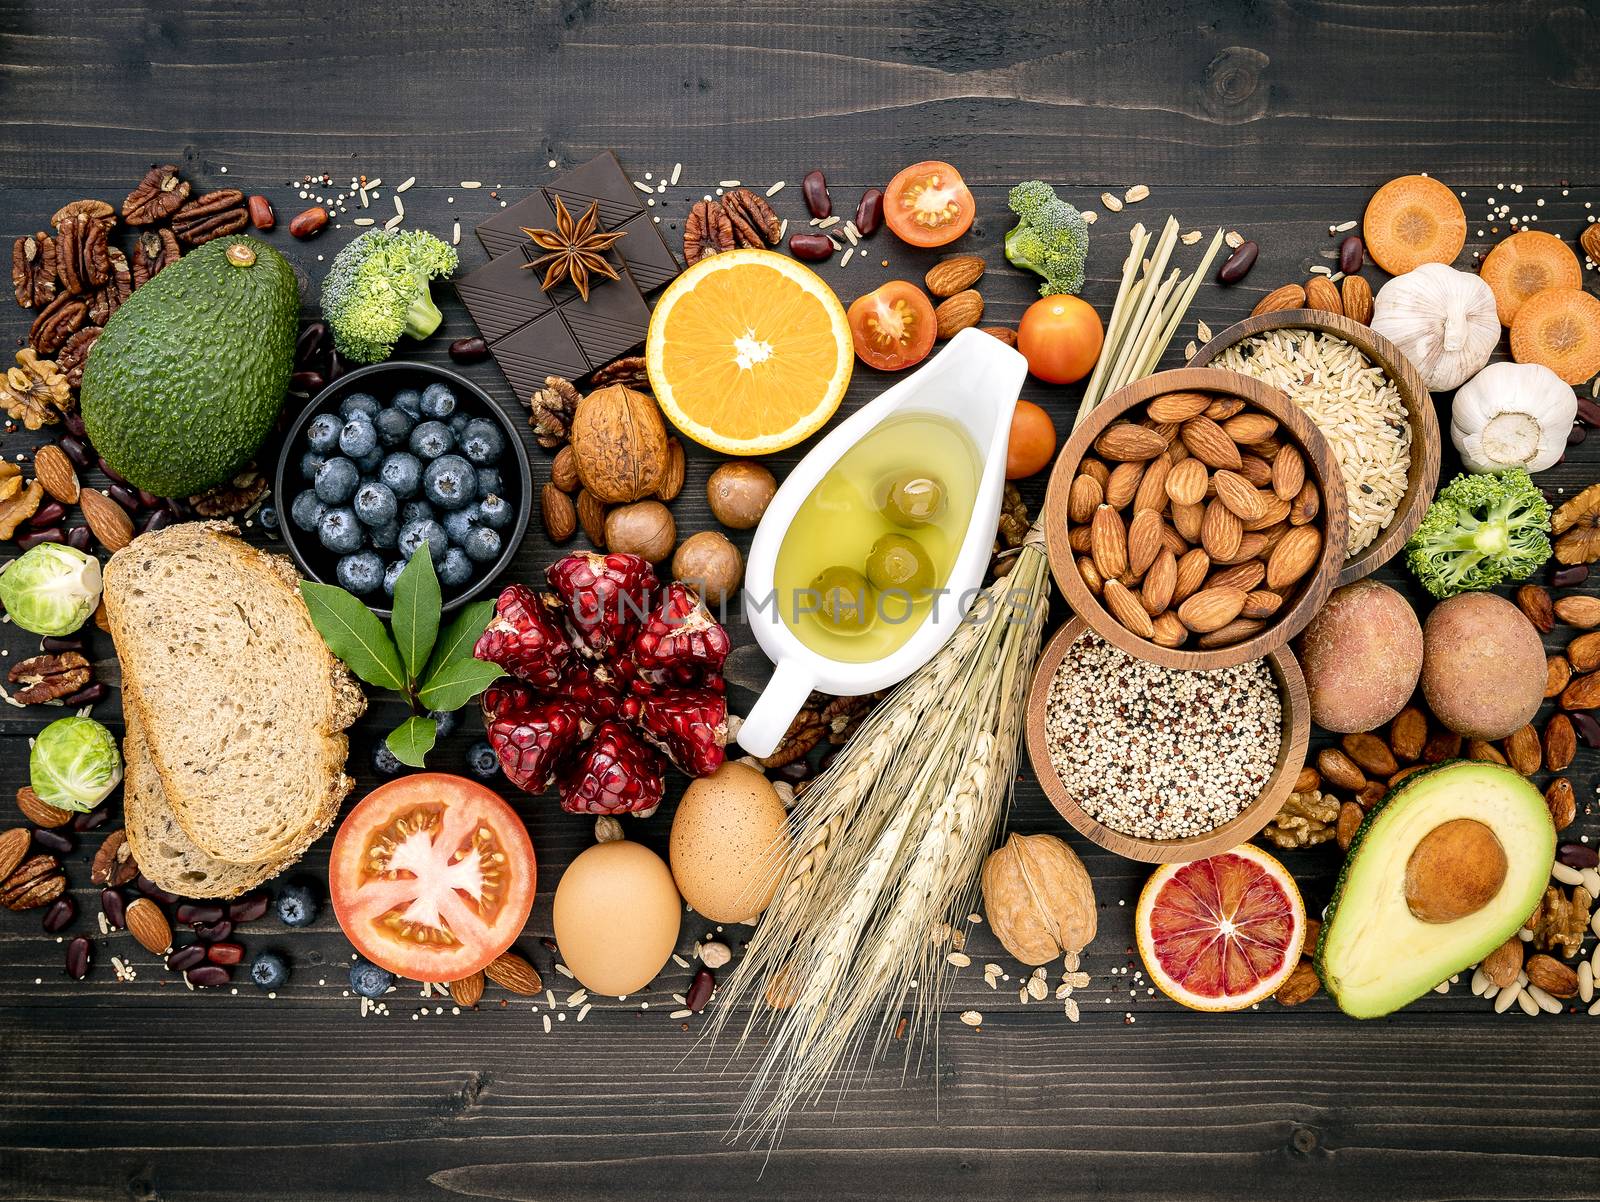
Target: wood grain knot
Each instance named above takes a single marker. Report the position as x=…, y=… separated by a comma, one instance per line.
x=1233, y=89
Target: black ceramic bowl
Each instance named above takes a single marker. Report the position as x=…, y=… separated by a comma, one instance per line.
x=383, y=380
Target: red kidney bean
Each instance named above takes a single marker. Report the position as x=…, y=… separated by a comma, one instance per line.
x=214, y=932
x=309, y=343
x=193, y=912
x=58, y=841
x=154, y=891
x=55, y=644
x=309, y=223
x=76, y=450
x=51, y=534
x=795, y=771
x=80, y=955
x=307, y=383
x=91, y=820
x=60, y=914
x=1578, y=855
x=815, y=189
x=247, y=908
x=78, y=538
x=49, y=514
x=1586, y=726
x=869, y=213
x=1352, y=254
x=469, y=350
x=1588, y=411
x=1577, y=434
x=1570, y=576
x=74, y=424
x=225, y=953
x=336, y=366
x=149, y=500
x=813, y=248
x=156, y=519
x=112, y=474
x=114, y=907
x=700, y=990
x=124, y=496
x=1238, y=264
x=207, y=976
x=88, y=695
x=186, y=957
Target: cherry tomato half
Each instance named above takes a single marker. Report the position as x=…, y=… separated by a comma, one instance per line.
x=1061, y=338
x=928, y=204
x=1033, y=441
x=892, y=326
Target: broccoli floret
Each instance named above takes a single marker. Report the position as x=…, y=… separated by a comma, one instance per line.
x=1051, y=239
x=377, y=290
x=1481, y=531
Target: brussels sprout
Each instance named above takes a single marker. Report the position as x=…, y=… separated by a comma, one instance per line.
x=75, y=764
x=51, y=589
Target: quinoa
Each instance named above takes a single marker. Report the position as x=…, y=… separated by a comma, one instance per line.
x=1354, y=403
x=1159, y=753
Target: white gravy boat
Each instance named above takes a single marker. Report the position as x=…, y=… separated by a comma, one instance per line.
x=974, y=382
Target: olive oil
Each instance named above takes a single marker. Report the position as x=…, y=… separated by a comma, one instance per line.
x=864, y=561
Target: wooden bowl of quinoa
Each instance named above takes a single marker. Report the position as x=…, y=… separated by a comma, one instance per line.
x=1389, y=481
x=1159, y=764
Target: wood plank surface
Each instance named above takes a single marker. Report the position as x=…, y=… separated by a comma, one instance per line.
x=1274, y=119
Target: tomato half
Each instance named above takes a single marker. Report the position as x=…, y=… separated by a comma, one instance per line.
x=1060, y=336
x=432, y=876
x=928, y=204
x=1033, y=441
x=892, y=326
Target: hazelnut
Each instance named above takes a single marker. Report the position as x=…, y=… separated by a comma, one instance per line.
x=710, y=563
x=715, y=955
x=607, y=829
x=644, y=528
x=739, y=493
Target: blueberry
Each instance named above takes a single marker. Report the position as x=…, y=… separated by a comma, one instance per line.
x=409, y=400
x=495, y=512
x=307, y=510
x=456, y=569
x=458, y=523
x=432, y=439
x=370, y=981
x=438, y=400
x=391, y=575
x=360, y=573
x=359, y=437
x=336, y=481
x=446, y=721
x=482, y=760
x=269, y=517
x=415, y=511
x=370, y=463
x=297, y=904
x=482, y=442
x=414, y=534
x=311, y=463
x=385, y=762
x=402, y=472
x=394, y=427
x=322, y=432
x=375, y=504
x=490, y=481
x=385, y=537
x=482, y=545
x=339, y=531
x=449, y=482
x=269, y=970
x=459, y=423
x=358, y=402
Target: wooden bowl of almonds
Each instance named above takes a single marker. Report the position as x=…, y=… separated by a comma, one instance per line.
x=1196, y=519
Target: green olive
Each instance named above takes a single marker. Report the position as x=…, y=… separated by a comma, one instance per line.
x=844, y=600
x=899, y=562
x=914, y=500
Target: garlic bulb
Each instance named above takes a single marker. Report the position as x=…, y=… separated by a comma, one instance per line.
x=1512, y=415
x=1444, y=321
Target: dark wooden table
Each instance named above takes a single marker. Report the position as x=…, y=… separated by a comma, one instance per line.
x=1274, y=119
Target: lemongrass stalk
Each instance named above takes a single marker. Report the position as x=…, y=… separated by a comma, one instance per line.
x=1136, y=322
x=1147, y=334
x=1181, y=306
x=1114, y=328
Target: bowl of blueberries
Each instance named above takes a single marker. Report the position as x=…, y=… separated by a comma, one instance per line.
x=393, y=457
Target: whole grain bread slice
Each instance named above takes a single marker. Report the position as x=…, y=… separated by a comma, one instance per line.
x=238, y=701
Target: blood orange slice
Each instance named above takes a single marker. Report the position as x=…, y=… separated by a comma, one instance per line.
x=1221, y=933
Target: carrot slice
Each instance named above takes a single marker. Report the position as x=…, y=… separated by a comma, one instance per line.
x=1411, y=221
x=1560, y=329
x=1526, y=263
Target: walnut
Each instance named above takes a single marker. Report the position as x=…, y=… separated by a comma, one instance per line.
x=74, y=353
x=231, y=496
x=47, y=677
x=619, y=444
x=1575, y=525
x=153, y=250
x=1305, y=820
x=33, y=270
x=1039, y=898
x=57, y=322
x=553, y=407
x=156, y=197
x=1561, y=920
x=10, y=479
x=706, y=231
x=35, y=392
x=1012, y=530
x=19, y=508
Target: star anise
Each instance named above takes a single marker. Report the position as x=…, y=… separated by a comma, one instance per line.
x=577, y=249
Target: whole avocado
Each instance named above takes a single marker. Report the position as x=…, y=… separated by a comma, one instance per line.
x=189, y=374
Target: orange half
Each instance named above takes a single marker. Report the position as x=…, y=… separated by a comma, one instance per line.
x=749, y=352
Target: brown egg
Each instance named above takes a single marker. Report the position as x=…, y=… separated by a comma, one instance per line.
x=616, y=917
x=729, y=839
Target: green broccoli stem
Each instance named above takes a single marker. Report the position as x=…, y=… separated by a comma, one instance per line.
x=1015, y=256
x=422, y=315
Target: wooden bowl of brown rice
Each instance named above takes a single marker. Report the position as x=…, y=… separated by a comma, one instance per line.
x=1370, y=404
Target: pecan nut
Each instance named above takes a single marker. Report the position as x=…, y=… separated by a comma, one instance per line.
x=36, y=882
x=97, y=210
x=57, y=322
x=74, y=353
x=33, y=269
x=706, y=231
x=114, y=864
x=231, y=496
x=152, y=251
x=45, y=677
x=83, y=254
x=629, y=371
x=156, y=197
x=107, y=299
x=752, y=212
x=213, y=215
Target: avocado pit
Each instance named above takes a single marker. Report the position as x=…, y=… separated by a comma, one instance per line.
x=1455, y=870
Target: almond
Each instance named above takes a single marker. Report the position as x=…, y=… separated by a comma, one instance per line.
x=1441, y=745
x=957, y=313
x=1583, y=693
x=1159, y=582
x=1356, y=296
x=1524, y=750
x=1407, y=733
x=149, y=926
x=1309, y=780
x=1251, y=546
x=1178, y=406
x=1170, y=632
x=1350, y=819
x=511, y=972
x=1240, y=575
x=1093, y=467
x=467, y=990
x=1485, y=752
x=1580, y=611
x=1290, y=296
x=1108, y=542
x=1339, y=770
x=1557, y=671
x=1192, y=569
x=1370, y=752
x=1078, y=539
x=564, y=469
x=1306, y=505
x=1503, y=964
x=1209, y=443
x=1220, y=532
x=1152, y=490
x=1211, y=609
x=1173, y=541
x=1535, y=604
x=1251, y=429
x=1274, y=510
x=1224, y=407
x=1123, y=484
x=1235, y=631
x=108, y=521
x=1144, y=540
x=1288, y=473
x=1185, y=483
x=1083, y=498
x=1009, y=337
x=1239, y=495
x=1552, y=976
x=1091, y=575
x=1563, y=802
x=1125, y=608
x=592, y=517
x=1125, y=442
x=13, y=846
x=1256, y=470
x=1260, y=605
x=672, y=479
x=1323, y=294
x=950, y=276
x=1187, y=521
x=1294, y=556
x=560, y=516
x=1301, y=985
x=40, y=813
x=1560, y=743
x=1583, y=653
x=55, y=472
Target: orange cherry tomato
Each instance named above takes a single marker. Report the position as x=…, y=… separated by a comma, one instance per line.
x=1060, y=336
x=928, y=204
x=1033, y=441
x=892, y=326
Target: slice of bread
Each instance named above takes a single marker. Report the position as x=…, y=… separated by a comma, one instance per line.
x=238, y=701
x=162, y=849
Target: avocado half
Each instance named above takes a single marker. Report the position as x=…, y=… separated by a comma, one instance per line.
x=1444, y=870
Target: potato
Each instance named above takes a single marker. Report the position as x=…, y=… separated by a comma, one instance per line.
x=1483, y=668
x=1361, y=655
